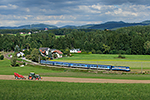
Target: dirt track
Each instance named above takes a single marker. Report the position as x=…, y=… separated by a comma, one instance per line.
x=78, y=80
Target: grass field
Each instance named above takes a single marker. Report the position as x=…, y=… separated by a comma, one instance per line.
x=5, y=69
x=133, y=61
x=42, y=90
x=38, y=90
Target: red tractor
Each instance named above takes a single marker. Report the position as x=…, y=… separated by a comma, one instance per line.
x=18, y=76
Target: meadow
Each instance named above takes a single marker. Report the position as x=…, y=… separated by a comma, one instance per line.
x=133, y=61
x=42, y=90
x=5, y=69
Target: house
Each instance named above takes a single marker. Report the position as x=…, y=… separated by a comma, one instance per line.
x=20, y=54
x=22, y=32
x=75, y=51
x=45, y=29
x=23, y=49
x=45, y=51
x=57, y=52
x=29, y=33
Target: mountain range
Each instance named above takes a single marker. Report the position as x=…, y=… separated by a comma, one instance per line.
x=107, y=25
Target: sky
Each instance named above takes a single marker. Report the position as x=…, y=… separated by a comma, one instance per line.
x=72, y=12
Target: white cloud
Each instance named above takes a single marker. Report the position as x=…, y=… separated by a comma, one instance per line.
x=8, y=6
x=27, y=10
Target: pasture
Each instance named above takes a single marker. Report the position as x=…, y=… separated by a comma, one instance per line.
x=42, y=90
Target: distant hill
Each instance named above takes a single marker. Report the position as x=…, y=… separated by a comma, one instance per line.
x=32, y=26
x=114, y=25
x=107, y=25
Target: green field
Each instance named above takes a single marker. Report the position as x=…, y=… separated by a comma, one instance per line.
x=133, y=61
x=40, y=90
x=5, y=69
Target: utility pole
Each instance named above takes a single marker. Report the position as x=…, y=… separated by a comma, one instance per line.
x=141, y=67
x=97, y=66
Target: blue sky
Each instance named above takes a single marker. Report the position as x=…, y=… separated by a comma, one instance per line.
x=72, y=12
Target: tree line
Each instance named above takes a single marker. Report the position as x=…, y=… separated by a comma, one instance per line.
x=127, y=40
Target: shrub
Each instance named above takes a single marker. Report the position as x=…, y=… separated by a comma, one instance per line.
x=89, y=52
x=121, y=52
x=99, y=52
x=1, y=57
x=28, y=56
x=120, y=56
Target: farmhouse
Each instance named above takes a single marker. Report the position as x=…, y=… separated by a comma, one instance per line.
x=75, y=51
x=57, y=52
x=20, y=54
x=45, y=51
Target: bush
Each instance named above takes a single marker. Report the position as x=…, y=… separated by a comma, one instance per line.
x=120, y=56
x=84, y=53
x=1, y=57
x=93, y=51
x=89, y=52
x=28, y=56
x=99, y=52
x=55, y=56
x=121, y=52
x=113, y=52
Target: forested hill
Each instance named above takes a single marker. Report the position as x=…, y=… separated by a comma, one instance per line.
x=127, y=40
x=114, y=25
x=107, y=25
x=32, y=26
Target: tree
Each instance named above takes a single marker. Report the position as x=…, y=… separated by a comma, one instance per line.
x=13, y=60
x=1, y=57
x=35, y=55
x=147, y=47
x=106, y=48
x=49, y=54
x=93, y=51
x=17, y=48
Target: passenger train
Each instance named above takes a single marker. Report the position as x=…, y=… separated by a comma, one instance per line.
x=88, y=66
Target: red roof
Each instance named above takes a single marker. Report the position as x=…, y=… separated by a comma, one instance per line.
x=59, y=52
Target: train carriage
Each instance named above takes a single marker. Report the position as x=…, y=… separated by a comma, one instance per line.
x=78, y=65
x=105, y=67
x=120, y=68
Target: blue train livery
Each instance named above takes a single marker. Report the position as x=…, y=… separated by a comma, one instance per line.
x=91, y=66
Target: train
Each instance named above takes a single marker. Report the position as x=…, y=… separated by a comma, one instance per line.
x=88, y=66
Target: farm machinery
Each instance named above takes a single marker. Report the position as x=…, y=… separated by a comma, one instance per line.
x=18, y=76
x=32, y=76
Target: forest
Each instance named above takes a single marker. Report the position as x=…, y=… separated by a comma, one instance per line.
x=127, y=40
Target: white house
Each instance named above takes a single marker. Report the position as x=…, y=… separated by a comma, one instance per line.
x=75, y=51
x=58, y=52
x=44, y=50
x=20, y=54
x=29, y=33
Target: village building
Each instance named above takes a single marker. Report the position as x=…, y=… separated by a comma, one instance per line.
x=45, y=51
x=75, y=51
x=20, y=54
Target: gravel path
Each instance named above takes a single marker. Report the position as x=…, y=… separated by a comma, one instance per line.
x=79, y=80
